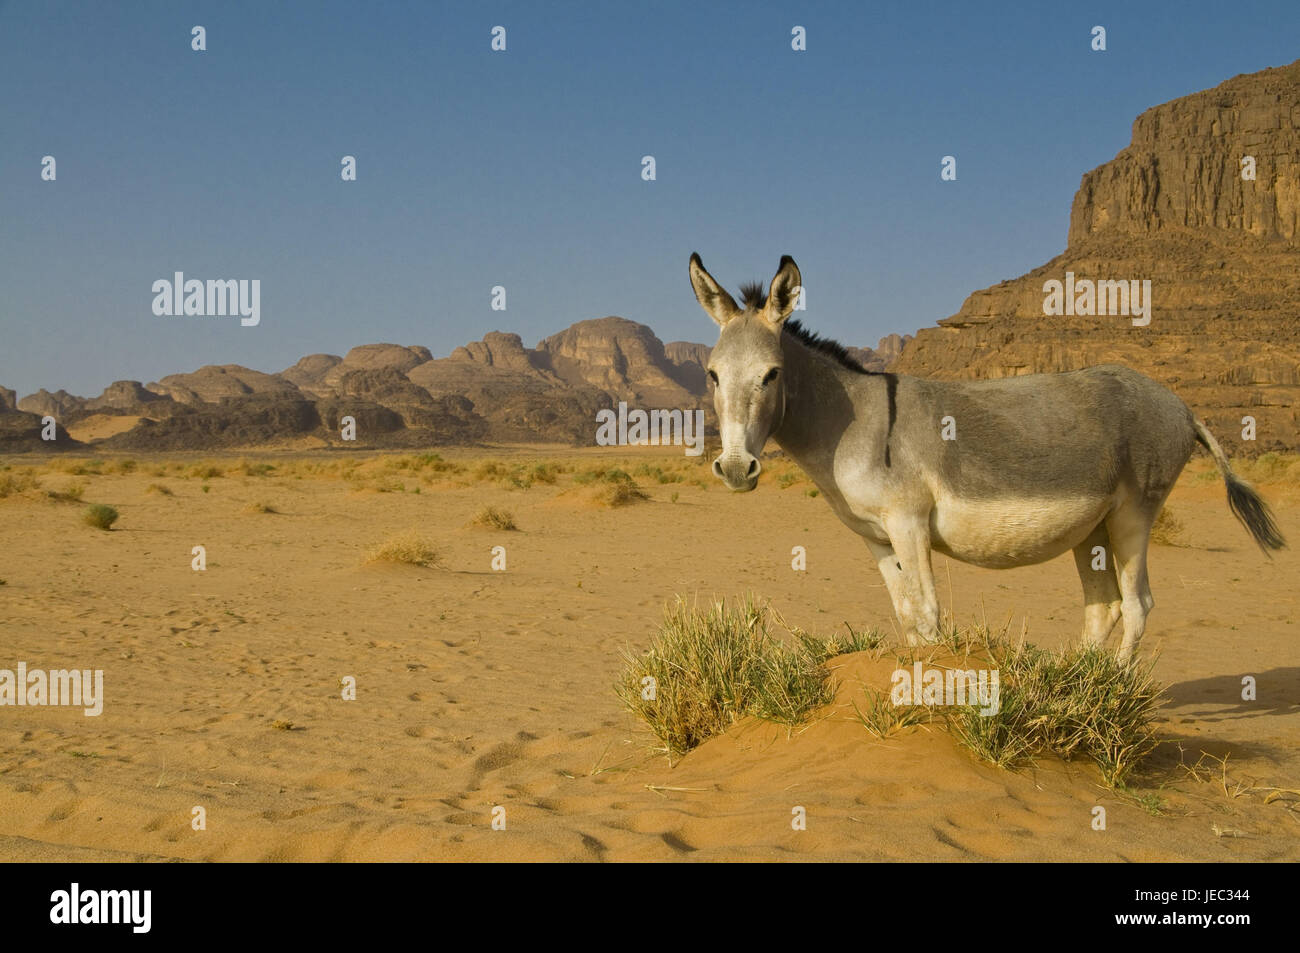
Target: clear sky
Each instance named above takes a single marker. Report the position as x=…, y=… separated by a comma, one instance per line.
x=523, y=168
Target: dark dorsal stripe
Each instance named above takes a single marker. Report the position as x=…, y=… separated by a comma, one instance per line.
x=832, y=349
x=891, y=389
x=836, y=351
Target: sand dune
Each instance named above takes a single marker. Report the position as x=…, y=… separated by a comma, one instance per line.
x=478, y=689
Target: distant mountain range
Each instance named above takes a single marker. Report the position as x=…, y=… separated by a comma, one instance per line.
x=493, y=390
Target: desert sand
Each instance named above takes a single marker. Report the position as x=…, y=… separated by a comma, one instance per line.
x=478, y=689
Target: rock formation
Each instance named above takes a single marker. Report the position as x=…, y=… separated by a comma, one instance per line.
x=212, y=383
x=1221, y=251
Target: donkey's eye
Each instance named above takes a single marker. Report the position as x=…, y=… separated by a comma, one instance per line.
x=771, y=376
x=713, y=377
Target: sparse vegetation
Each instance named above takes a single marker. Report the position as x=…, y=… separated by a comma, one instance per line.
x=12, y=483
x=823, y=649
x=1270, y=467
x=1167, y=529
x=881, y=717
x=612, y=486
x=253, y=469
x=1078, y=702
x=621, y=494
x=711, y=667
x=409, y=548
x=100, y=515
x=494, y=518
x=659, y=474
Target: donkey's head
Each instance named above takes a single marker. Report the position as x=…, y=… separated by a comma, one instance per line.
x=746, y=366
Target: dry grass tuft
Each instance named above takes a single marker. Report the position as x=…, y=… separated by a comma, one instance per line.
x=1076, y=702
x=494, y=518
x=1167, y=529
x=17, y=482
x=409, y=548
x=708, y=668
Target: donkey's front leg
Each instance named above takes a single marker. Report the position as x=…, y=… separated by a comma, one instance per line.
x=892, y=573
x=905, y=566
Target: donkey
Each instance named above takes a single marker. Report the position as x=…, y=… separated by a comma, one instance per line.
x=995, y=473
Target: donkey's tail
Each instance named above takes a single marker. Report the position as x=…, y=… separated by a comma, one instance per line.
x=1244, y=502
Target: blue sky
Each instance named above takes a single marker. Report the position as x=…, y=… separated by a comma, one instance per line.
x=523, y=168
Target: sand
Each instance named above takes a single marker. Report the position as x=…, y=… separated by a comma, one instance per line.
x=478, y=689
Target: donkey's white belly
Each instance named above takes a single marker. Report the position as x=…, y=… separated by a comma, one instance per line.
x=1012, y=532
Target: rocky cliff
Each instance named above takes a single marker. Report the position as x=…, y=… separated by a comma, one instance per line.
x=1178, y=208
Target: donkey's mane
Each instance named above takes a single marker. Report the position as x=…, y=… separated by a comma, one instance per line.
x=753, y=296
x=831, y=348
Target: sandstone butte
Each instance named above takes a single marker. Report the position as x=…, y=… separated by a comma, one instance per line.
x=1222, y=254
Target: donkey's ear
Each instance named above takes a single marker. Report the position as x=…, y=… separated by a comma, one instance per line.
x=784, y=293
x=715, y=301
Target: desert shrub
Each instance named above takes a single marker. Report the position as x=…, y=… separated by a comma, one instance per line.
x=70, y=494
x=14, y=482
x=100, y=516
x=494, y=518
x=409, y=548
x=620, y=494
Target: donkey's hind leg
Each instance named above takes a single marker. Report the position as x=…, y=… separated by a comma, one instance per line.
x=1101, y=598
x=1129, y=527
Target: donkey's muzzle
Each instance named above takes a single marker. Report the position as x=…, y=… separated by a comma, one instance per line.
x=738, y=470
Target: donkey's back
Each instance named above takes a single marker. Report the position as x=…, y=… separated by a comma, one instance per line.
x=1087, y=433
